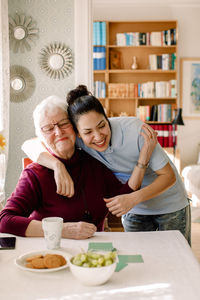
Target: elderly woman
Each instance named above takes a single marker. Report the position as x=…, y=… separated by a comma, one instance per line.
x=35, y=195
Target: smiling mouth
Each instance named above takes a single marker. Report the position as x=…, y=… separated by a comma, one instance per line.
x=62, y=139
x=100, y=144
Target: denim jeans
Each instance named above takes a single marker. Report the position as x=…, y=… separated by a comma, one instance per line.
x=179, y=220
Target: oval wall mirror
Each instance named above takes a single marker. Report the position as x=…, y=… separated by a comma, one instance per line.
x=56, y=60
x=18, y=84
x=22, y=32
x=19, y=32
x=22, y=83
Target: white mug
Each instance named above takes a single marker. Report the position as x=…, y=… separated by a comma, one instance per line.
x=52, y=227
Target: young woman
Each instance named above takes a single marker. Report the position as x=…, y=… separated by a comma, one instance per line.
x=161, y=203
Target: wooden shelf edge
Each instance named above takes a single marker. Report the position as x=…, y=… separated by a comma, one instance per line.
x=140, y=46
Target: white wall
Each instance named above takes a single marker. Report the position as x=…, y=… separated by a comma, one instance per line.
x=187, y=14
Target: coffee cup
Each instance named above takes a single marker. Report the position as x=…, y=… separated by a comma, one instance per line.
x=52, y=227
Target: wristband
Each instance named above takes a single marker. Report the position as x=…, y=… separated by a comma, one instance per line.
x=142, y=166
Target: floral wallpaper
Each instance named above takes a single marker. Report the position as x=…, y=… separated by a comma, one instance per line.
x=55, y=21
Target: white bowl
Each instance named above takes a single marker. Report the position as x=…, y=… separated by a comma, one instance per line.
x=92, y=276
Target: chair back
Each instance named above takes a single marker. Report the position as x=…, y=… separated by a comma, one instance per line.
x=25, y=162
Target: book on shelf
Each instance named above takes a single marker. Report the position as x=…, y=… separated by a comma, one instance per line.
x=154, y=38
x=99, y=33
x=154, y=113
x=150, y=89
x=143, y=113
x=99, y=58
x=99, y=89
x=159, y=113
x=167, y=134
x=164, y=61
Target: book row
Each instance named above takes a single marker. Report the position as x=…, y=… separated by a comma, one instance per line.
x=167, y=134
x=99, y=58
x=155, y=38
x=150, y=89
x=159, y=113
x=99, y=33
x=163, y=62
x=99, y=89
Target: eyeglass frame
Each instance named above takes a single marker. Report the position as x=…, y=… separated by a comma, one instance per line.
x=52, y=126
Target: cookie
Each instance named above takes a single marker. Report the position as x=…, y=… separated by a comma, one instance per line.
x=29, y=259
x=62, y=259
x=38, y=263
x=52, y=261
x=29, y=265
x=47, y=261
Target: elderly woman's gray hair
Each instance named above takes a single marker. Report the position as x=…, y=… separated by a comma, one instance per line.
x=49, y=104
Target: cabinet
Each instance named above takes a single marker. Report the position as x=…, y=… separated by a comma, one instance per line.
x=161, y=39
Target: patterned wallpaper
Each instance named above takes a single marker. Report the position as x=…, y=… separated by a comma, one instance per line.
x=55, y=19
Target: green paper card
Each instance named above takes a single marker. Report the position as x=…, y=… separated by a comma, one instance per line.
x=124, y=260
x=100, y=247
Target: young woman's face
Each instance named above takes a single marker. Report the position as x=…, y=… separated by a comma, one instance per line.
x=94, y=130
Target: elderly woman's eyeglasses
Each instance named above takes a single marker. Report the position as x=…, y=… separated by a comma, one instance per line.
x=49, y=128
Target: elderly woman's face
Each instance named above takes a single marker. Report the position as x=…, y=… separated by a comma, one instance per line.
x=58, y=133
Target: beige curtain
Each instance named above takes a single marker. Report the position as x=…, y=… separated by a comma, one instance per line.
x=4, y=96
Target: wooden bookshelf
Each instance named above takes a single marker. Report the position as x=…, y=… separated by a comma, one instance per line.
x=116, y=106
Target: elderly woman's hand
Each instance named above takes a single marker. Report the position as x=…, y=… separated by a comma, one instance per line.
x=78, y=230
x=64, y=183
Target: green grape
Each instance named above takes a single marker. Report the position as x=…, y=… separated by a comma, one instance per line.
x=86, y=265
x=101, y=260
x=94, y=260
x=83, y=257
x=108, y=262
x=76, y=261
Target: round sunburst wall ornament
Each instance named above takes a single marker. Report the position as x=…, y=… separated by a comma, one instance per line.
x=22, y=33
x=22, y=83
x=56, y=60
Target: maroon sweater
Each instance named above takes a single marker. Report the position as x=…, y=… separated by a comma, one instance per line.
x=35, y=195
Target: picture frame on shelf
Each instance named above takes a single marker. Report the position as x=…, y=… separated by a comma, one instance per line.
x=115, y=60
x=190, y=87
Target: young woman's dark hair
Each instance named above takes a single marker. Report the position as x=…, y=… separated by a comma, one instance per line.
x=81, y=101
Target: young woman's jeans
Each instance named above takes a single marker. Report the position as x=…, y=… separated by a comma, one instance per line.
x=179, y=220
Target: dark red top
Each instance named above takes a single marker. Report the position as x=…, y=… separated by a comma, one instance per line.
x=35, y=195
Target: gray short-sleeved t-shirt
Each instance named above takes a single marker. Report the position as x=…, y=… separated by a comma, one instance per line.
x=121, y=157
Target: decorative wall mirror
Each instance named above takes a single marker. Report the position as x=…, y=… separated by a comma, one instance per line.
x=22, y=33
x=56, y=60
x=22, y=83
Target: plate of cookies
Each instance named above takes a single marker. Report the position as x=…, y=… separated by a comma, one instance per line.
x=43, y=261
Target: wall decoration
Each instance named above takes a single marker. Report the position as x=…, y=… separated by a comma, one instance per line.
x=56, y=60
x=190, y=87
x=22, y=83
x=22, y=33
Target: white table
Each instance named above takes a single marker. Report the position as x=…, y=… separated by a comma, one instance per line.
x=170, y=270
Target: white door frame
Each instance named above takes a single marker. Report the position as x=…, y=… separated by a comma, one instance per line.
x=83, y=63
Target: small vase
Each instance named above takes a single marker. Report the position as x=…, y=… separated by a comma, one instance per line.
x=134, y=65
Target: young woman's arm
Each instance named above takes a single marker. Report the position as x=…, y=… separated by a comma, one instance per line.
x=120, y=205
x=150, y=142
x=37, y=152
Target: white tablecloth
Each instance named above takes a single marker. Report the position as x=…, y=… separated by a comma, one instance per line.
x=170, y=270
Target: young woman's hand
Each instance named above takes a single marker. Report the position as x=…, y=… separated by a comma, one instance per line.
x=78, y=230
x=64, y=183
x=150, y=142
x=121, y=204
